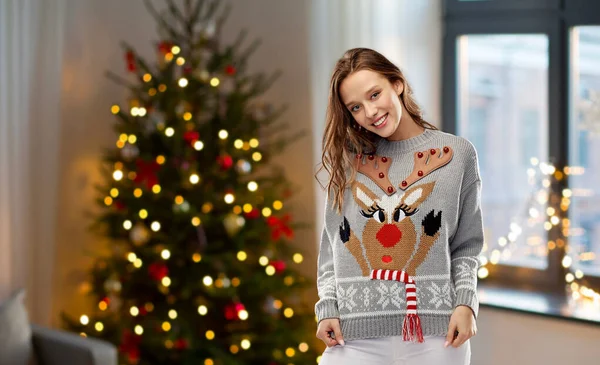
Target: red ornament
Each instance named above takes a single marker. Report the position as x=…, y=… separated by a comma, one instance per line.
x=130, y=57
x=390, y=189
x=146, y=171
x=129, y=346
x=165, y=47
x=279, y=266
x=432, y=151
x=384, y=159
x=191, y=137
x=232, y=311
x=225, y=161
x=279, y=227
x=158, y=270
x=119, y=205
x=371, y=157
x=404, y=183
x=381, y=175
x=420, y=154
x=230, y=70
x=253, y=214
x=181, y=344
x=446, y=149
x=420, y=173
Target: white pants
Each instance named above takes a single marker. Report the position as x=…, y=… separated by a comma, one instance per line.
x=395, y=351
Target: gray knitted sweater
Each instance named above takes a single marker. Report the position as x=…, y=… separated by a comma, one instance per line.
x=404, y=252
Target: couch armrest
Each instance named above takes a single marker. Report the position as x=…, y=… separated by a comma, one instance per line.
x=58, y=347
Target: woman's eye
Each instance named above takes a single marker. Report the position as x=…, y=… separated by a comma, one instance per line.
x=375, y=94
x=354, y=108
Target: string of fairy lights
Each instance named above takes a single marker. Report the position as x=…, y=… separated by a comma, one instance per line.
x=140, y=233
x=544, y=209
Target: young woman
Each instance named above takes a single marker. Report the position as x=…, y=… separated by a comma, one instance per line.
x=398, y=259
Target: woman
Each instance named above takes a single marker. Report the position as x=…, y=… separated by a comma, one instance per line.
x=397, y=267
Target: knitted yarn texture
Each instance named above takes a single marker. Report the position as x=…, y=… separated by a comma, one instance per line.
x=404, y=251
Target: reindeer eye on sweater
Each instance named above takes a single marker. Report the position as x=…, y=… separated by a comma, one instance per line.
x=375, y=212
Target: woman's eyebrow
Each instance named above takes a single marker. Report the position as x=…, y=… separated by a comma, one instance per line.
x=367, y=92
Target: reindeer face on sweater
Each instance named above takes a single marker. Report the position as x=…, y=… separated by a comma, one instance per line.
x=389, y=239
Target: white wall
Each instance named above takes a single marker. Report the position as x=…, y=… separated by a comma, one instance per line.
x=522, y=339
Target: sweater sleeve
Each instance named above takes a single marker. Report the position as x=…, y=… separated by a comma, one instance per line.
x=467, y=243
x=326, y=306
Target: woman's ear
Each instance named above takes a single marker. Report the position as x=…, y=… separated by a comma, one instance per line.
x=399, y=86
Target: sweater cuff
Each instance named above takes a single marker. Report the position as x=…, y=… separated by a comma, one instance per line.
x=469, y=298
x=326, y=309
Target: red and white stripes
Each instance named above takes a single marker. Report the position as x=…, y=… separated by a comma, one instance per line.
x=412, y=324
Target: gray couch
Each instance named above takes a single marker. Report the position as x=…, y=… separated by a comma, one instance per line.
x=23, y=343
x=57, y=347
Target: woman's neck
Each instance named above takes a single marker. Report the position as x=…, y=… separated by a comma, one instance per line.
x=407, y=128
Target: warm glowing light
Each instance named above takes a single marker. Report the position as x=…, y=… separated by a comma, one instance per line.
x=139, y=330
x=245, y=344
x=214, y=82
x=210, y=335
x=137, y=192
x=166, y=326
x=263, y=260
x=118, y=175
x=243, y=314
x=194, y=179
x=229, y=198
x=242, y=256
x=290, y=352
x=196, y=221
x=172, y=314
x=254, y=143
x=84, y=320
x=270, y=270
x=165, y=254
x=298, y=258
x=155, y=226
x=257, y=156
x=196, y=257
x=169, y=132
x=198, y=145
x=277, y=205
x=252, y=186
x=115, y=109
x=267, y=212
x=143, y=213
x=99, y=326
x=202, y=310
x=238, y=144
x=134, y=311
x=147, y=77
x=183, y=82
x=303, y=347
x=156, y=188
x=187, y=116
x=207, y=280
x=223, y=134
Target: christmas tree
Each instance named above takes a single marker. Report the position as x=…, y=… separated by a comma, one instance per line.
x=200, y=268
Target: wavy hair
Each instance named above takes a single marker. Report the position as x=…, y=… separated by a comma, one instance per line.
x=343, y=138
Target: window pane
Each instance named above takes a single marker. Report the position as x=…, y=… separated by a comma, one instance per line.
x=584, y=151
x=502, y=110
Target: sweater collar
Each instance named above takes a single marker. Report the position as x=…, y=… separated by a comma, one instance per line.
x=405, y=145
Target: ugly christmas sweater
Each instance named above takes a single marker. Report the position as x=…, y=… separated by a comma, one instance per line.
x=404, y=251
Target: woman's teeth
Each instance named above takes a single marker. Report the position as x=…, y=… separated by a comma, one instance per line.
x=380, y=121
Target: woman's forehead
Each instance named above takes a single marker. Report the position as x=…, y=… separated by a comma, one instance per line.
x=356, y=85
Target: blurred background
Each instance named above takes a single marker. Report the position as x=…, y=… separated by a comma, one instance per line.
x=519, y=79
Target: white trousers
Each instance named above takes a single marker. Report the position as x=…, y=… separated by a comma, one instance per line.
x=395, y=351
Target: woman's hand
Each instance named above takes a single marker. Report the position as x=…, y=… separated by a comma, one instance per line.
x=325, y=328
x=463, y=322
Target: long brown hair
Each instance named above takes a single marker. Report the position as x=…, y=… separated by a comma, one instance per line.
x=343, y=138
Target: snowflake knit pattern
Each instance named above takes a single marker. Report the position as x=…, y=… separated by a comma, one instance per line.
x=404, y=251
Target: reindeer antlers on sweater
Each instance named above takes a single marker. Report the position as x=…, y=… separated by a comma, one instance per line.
x=376, y=168
x=425, y=163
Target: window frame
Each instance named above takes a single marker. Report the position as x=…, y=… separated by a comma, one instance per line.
x=554, y=18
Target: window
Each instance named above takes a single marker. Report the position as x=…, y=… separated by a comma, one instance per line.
x=522, y=83
x=584, y=131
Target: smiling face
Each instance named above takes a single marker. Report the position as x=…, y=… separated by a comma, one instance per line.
x=373, y=101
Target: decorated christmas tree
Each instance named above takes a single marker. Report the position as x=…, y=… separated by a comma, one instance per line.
x=200, y=268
